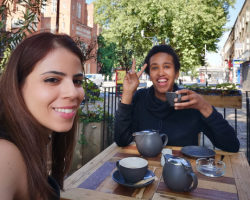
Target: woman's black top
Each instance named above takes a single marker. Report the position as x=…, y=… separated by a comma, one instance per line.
x=181, y=126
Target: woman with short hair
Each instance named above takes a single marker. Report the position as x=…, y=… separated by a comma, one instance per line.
x=148, y=108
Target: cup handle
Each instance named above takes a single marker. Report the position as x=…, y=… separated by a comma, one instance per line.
x=179, y=98
x=195, y=181
x=117, y=165
x=165, y=141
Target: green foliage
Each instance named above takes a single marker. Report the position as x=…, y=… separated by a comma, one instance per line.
x=106, y=56
x=185, y=25
x=227, y=86
x=27, y=24
x=7, y=53
x=96, y=113
x=222, y=87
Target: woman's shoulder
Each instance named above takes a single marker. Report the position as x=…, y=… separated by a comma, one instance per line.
x=12, y=171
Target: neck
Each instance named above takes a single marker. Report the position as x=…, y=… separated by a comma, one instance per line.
x=162, y=97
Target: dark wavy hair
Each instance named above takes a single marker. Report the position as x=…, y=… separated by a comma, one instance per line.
x=22, y=128
x=162, y=49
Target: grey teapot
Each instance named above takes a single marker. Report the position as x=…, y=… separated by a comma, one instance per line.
x=149, y=142
x=178, y=174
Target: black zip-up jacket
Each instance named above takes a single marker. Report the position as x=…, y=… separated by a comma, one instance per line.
x=181, y=126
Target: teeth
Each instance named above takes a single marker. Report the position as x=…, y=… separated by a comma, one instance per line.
x=64, y=110
x=162, y=80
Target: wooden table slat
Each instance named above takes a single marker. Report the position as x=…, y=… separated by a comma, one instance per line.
x=241, y=173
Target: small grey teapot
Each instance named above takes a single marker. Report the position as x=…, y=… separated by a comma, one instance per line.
x=178, y=174
x=149, y=142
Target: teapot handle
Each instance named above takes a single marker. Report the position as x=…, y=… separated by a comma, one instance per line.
x=165, y=141
x=195, y=180
x=117, y=164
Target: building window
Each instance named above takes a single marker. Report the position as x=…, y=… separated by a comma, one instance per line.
x=64, y=5
x=63, y=25
x=88, y=71
x=87, y=17
x=16, y=23
x=63, y=16
x=78, y=10
x=43, y=6
x=54, y=4
x=73, y=6
x=72, y=26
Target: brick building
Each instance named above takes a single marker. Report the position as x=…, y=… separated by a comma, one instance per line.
x=237, y=47
x=75, y=19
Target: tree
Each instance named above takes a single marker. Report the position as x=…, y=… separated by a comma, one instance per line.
x=89, y=53
x=185, y=25
x=25, y=25
x=106, y=56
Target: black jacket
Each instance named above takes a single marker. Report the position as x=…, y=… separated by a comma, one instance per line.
x=181, y=126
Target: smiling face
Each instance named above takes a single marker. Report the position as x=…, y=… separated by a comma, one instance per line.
x=53, y=91
x=162, y=74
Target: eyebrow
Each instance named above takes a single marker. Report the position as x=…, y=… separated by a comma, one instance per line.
x=163, y=63
x=78, y=75
x=61, y=73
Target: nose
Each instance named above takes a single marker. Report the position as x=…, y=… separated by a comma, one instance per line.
x=161, y=71
x=69, y=90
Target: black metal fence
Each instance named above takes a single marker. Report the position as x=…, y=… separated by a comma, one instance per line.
x=111, y=99
x=110, y=104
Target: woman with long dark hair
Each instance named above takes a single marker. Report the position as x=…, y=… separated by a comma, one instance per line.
x=40, y=92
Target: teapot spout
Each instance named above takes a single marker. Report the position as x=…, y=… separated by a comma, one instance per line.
x=167, y=156
x=137, y=133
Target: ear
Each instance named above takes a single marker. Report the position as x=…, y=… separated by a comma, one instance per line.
x=177, y=74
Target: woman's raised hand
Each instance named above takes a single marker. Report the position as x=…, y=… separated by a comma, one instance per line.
x=130, y=83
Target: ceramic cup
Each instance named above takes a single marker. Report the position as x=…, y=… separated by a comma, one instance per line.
x=133, y=169
x=165, y=151
x=171, y=96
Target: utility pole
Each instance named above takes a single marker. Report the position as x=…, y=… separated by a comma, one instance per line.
x=57, y=16
x=206, y=64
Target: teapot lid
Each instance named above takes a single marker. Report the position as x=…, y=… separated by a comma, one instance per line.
x=149, y=132
x=178, y=161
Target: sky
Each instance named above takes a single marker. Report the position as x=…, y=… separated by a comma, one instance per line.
x=89, y=1
x=215, y=58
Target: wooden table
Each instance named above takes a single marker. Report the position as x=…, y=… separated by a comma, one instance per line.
x=94, y=180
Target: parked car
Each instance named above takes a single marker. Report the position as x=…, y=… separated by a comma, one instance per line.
x=96, y=78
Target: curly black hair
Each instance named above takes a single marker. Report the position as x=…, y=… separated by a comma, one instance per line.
x=162, y=49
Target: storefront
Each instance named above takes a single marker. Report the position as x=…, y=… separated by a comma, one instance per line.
x=237, y=71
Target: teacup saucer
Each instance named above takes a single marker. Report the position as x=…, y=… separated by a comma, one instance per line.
x=117, y=177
